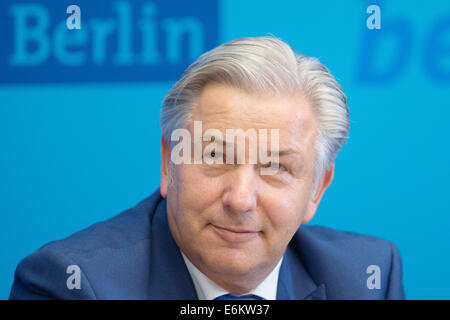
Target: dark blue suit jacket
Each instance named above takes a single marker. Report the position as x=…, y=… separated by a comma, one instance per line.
x=133, y=256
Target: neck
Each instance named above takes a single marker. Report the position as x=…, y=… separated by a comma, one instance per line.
x=239, y=283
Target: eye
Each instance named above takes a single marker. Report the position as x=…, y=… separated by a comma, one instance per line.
x=281, y=168
x=213, y=157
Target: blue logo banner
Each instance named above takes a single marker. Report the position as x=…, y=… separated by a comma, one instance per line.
x=118, y=41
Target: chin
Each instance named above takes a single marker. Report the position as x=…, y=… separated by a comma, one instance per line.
x=232, y=261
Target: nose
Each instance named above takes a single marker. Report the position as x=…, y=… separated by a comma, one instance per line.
x=241, y=192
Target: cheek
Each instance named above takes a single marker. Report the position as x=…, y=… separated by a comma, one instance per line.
x=196, y=193
x=286, y=211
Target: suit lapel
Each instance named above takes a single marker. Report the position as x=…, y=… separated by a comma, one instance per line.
x=169, y=277
x=295, y=283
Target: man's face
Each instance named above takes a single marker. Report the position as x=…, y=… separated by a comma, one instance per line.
x=228, y=219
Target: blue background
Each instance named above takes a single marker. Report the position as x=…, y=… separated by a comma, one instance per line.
x=76, y=152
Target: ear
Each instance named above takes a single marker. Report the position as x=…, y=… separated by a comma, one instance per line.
x=165, y=158
x=324, y=183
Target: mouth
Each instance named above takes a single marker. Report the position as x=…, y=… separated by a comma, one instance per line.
x=232, y=234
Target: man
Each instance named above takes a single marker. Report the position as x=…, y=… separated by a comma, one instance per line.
x=226, y=224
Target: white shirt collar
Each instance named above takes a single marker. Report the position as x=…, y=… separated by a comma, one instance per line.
x=209, y=290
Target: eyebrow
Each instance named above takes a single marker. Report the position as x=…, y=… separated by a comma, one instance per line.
x=217, y=141
x=288, y=152
x=280, y=153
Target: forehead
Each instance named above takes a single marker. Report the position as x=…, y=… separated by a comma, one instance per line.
x=223, y=107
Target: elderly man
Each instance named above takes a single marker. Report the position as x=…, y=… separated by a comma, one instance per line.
x=227, y=222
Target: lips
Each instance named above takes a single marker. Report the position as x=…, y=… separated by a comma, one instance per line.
x=233, y=234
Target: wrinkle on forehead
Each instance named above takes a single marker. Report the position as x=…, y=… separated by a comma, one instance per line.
x=223, y=107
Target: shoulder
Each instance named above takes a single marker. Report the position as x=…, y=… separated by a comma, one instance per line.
x=330, y=239
x=122, y=230
x=344, y=261
x=93, y=251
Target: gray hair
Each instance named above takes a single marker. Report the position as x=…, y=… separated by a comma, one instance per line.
x=264, y=64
